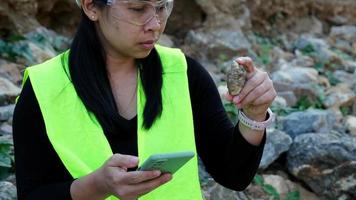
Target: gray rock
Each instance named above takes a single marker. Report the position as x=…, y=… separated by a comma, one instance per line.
x=214, y=191
x=6, y=112
x=302, y=81
x=277, y=142
x=340, y=95
x=285, y=186
x=289, y=96
x=37, y=46
x=166, y=40
x=345, y=77
x=308, y=24
x=347, y=33
x=5, y=129
x=342, y=45
x=226, y=13
x=349, y=65
x=7, y=191
x=279, y=101
x=309, y=121
x=186, y=15
x=8, y=91
x=228, y=43
x=325, y=162
x=317, y=48
x=11, y=72
x=351, y=125
x=296, y=75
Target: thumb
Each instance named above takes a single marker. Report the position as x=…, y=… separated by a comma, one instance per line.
x=123, y=161
x=247, y=63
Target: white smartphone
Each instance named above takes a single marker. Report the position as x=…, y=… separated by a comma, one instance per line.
x=166, y=163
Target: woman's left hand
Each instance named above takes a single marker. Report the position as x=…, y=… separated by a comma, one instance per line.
x=257, y=94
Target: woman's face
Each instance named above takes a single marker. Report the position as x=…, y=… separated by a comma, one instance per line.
x=129, y=29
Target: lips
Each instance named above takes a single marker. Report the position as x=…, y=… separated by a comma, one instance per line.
x=149, y=44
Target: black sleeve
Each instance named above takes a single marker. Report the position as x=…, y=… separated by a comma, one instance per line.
x=39, y=172
x=227, y=156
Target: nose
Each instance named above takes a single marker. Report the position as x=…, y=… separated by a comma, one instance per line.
x=154, y=24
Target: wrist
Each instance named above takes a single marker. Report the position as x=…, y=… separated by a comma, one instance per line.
x=260, y=117
x=256, y=122
x=86, y=188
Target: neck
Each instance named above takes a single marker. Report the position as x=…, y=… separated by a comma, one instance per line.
x=120, y=66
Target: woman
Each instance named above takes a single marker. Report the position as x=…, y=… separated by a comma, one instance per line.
x=86, y=118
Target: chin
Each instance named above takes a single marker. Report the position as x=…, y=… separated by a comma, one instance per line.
x=143, y=54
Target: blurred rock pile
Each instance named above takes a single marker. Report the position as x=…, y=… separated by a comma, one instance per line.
x=308, y=47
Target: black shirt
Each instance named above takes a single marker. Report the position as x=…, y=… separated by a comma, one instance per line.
x=227, y=156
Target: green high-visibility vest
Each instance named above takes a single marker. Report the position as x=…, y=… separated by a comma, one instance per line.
x=78, y=138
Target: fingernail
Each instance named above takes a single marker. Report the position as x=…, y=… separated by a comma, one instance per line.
x=236, y=99
x=168, y=177
x=134, y=160
x=157, y=173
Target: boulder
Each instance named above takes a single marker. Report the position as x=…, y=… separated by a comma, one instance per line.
x=326, y=163
x=309, y=121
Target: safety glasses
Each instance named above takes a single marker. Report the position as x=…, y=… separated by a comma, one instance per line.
x=141, y=12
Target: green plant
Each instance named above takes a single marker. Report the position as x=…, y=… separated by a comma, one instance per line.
x=269, y=189
x=265, y=46
x=6, y=158
x=343, y=55
x=308, y=49
x=304, y=103
x=15, y=38
x=231, y=110
x=332, y=79
x=295, y=195
x=222, y=58
x=345, y=110
x=282, y=111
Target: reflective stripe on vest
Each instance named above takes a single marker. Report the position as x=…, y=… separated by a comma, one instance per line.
x=78, y=138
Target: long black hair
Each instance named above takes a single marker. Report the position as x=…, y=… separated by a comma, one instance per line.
x=89, y=75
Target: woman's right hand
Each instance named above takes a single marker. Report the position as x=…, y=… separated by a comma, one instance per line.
x=113, y=179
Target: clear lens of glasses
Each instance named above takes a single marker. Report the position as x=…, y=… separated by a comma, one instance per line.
x=141, y=12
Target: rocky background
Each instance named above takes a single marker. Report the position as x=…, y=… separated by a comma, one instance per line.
x=308, y=47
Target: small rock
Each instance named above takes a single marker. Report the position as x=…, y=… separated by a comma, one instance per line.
x=349, y=66
x=347, y=33
x=8, y=91
x=11, y=72
x=280, y=102
x=345, y=78
x=222, y=91
x=289, y=97
x=5, y=129
x=351, y=125
x=340, y=95
x=7, y=191
x=236, y=78
x=6, y=112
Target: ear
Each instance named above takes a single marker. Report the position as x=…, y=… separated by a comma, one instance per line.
x=90, y=9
